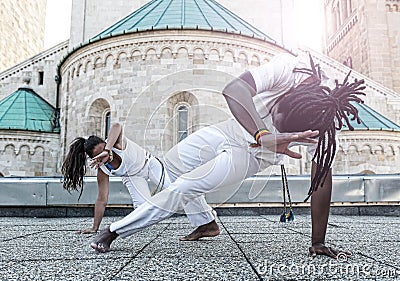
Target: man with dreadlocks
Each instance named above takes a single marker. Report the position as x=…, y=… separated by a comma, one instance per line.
x=285, y=94
x=288, y=95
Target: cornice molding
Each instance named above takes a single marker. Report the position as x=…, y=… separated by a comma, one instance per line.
x=30, y=62
x=205, y=41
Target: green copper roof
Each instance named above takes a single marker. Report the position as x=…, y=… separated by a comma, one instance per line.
x=372, y=120
x=183, y=14
x=26, y=110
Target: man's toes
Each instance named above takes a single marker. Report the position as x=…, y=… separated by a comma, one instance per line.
x=100, y=247
x=93, y=245
x=189, y=237
x=186, y=238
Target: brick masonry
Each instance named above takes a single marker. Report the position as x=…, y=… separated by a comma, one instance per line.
x=26, y=40
x=369, y=35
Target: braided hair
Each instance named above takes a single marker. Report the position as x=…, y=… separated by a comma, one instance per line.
x=312, y=106
x=74, y=165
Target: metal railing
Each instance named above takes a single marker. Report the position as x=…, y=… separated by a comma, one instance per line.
x=261, y=190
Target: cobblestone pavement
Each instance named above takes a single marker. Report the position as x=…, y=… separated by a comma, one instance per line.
x=249, y=248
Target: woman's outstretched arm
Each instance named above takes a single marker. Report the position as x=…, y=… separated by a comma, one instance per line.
x=101, y=202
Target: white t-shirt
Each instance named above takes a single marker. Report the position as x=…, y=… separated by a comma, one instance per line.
x=273, y=80
x=133, y=159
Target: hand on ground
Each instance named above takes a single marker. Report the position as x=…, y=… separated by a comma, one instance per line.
x=87, y=231
x=321, y=249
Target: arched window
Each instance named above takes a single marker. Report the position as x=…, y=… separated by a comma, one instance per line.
x=182, y=122
x=96, y=118
x=183, y=118
x=107, y=123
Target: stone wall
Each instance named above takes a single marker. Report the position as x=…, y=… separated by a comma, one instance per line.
x=45, y=62
x=22, y=25
x=349, y=44
x=28, y=154
x=380, y=47
x=367, y=38
x=368, y=152
x=393, y=21
x=360, y=152
x=25, y=153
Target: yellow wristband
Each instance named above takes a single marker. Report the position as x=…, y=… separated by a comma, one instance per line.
x=259, y=134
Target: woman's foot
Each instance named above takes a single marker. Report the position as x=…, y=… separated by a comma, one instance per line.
x=210, y=229
x=103, y=241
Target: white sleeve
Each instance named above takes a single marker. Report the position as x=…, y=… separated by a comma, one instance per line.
x=275, y=74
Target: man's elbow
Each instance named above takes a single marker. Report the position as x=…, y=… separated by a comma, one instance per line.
x=116, y=125
x=230, y=89
x=241, y=86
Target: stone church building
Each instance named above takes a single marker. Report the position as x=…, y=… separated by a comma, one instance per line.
x=159, y=68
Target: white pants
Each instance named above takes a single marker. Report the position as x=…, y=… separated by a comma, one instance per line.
x=212, y=157
x=198, y=211
x=137, y=185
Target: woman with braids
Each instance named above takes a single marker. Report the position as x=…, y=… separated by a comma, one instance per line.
x=117, y=156
x=269, y=104
x=120, y=156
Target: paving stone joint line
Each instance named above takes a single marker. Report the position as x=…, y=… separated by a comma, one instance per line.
x=140, y=251
x=241, y=250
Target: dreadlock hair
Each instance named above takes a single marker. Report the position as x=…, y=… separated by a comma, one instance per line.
x=74, y=165
x=315, y=107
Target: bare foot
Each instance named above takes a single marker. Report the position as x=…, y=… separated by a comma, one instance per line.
x=103, y=241
x=210, y=229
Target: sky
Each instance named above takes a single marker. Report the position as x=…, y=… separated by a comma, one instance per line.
x=58, y=21
x=308, y=22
